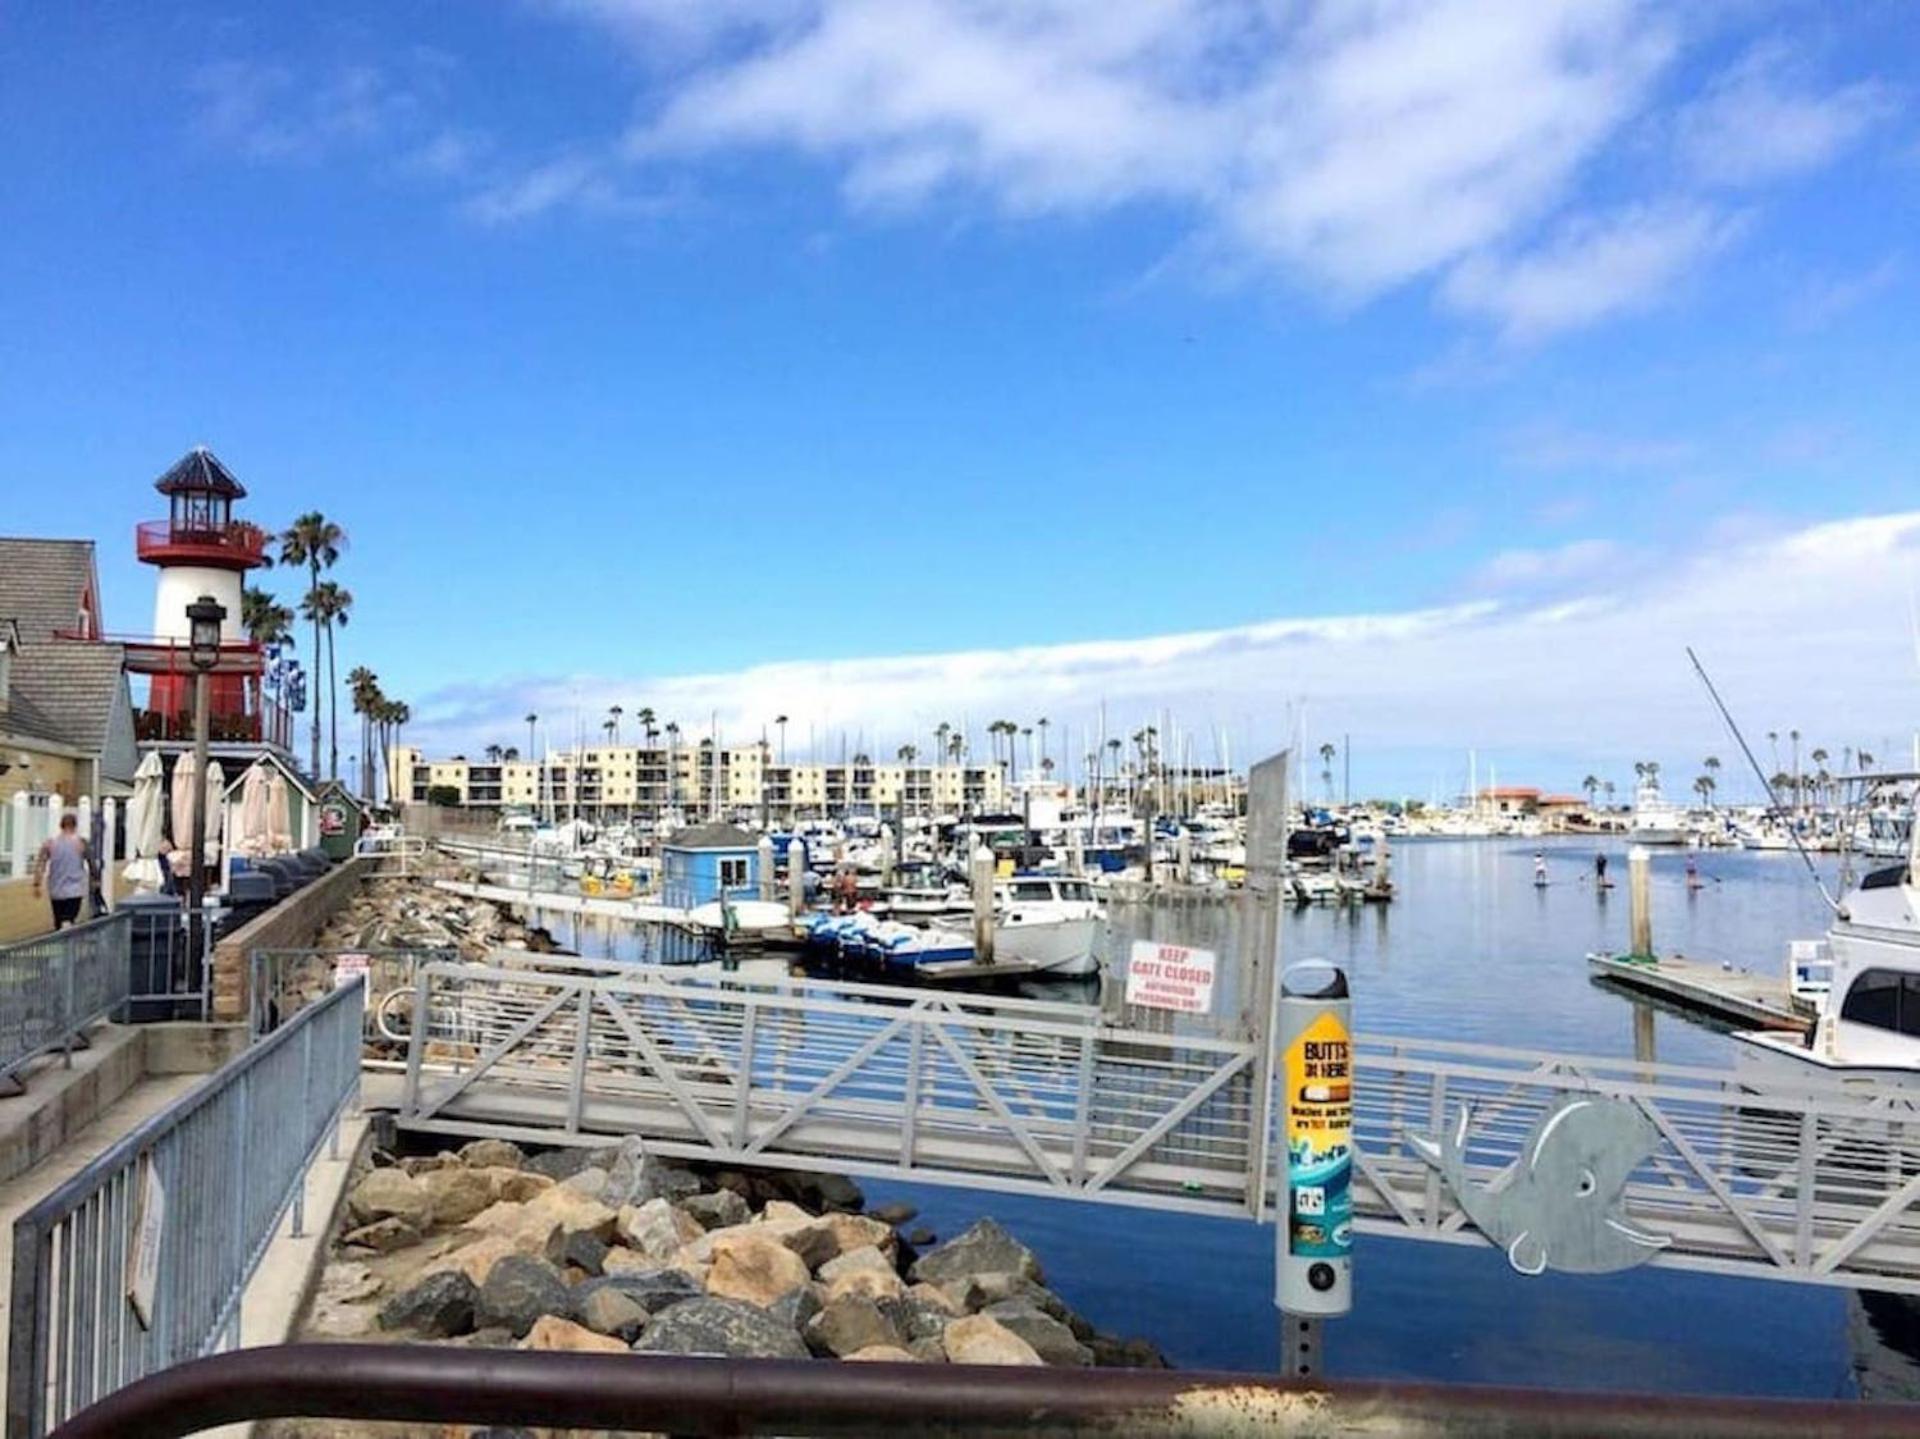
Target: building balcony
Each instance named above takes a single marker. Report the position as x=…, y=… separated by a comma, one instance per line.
x=234, y=545
x=272, y=726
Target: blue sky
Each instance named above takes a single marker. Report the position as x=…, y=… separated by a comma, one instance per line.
x=642, y=346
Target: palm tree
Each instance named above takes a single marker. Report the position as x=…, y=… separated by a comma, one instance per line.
x=1704, y=787
x=509, y=755
x=1820, y=780
x=673, y=766
x=1327, y=752
x=1799, y=793
x=614, y=713
x=364, y=686
x=1042, y=724
x=314, y=541
x=265, y=619
x=941, y=731
x=327, y=605
x=1608, y=787
x=494, y=754
x=780, y=723
x=1591, y=784
x=1865, y=759
x=645, y=720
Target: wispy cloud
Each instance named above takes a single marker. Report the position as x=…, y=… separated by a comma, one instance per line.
x=1555, y=447
x=1595, y=665
x=1593, y=267
x=1827, y=298
x=1767, y=116
x=269, y=112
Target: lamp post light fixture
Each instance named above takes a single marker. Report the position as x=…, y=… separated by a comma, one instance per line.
x=204, y=617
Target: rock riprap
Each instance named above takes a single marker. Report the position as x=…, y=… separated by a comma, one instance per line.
x=583, y=1250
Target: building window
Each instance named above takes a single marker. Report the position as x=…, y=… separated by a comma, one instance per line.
x=733, y=874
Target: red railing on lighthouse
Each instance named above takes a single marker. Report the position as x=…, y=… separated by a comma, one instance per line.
x=235, y=544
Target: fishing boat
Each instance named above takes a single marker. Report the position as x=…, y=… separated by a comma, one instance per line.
x=1655, y=821
x=1051, y=922
x=1867, y=1029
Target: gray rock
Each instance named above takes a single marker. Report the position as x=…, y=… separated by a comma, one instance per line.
x=928, y=1351
x=635, y=1177
x=823, y=1192
x=977, y=1292
x=724, y=1327
x=720, y=1210
x=796, y=1307
x=591, y=1181
x=438, y=1307
x=1110, y=1353
x=584, y=1251
x=1051, y=1339
x=914, y=1318
x=609, y=1311
x=849, y=1324
x=383, y=1236
x=561, y=1164
x=653, y=1290
x=922, y=1237
x=492, y=1154
x=895, y=1214
x=519, y=1289
x=986, y=1248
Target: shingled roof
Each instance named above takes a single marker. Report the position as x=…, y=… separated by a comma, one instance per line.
x=711, y=836
x=43, y=584
x=72, y=686
x=200, y=469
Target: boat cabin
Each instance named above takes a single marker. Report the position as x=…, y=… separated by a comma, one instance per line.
x=709, y=862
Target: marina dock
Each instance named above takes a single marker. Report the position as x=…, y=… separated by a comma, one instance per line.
x=1754, y=1001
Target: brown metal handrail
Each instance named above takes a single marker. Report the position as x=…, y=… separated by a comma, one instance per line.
x=425, y=1384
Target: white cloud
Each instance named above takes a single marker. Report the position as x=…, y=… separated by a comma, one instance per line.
x=1805, y=628
x=268, y=112
x=1555, y=447
x=1594, y=267
x=1583, y=560
x=1764, y=118
x=1826, y=298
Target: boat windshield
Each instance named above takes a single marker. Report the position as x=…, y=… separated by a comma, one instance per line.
x=1032, y=889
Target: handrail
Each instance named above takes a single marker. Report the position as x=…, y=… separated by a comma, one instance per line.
x=563, y=1392
x=53, y=987
x=223, y=1164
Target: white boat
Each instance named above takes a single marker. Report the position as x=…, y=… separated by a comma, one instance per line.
x=1051, y=922
x=1867, y=1032
x=1654, y=820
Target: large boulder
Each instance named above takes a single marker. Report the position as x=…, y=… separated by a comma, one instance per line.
x=654, y=1290
x=975, y=1292
x=883, y=1354
x=656, y=1229
x=981, y=1339
x=563, y=1336
x=612, y=1311
x=1049, y=1338
x=517, y=1186
x=894, y=1214
x=585, y=1253
x=456, y=1195
x=857, y=1231
x=518, y=1291
x=756, y=1268
x=916, y=1318
x=720, y=1210
x=438, y=1307
x=823, y=1192
x=591, y=1182
x=558, y=1164
x=797, y=1307
x=389, y=1193
x=1111, y=1353
x=853, y=1261
x=875, y=1284
x=849, y=1324
x=491, y=1154
x=724, y=1327
x=986, y=1248
x=810, y=1237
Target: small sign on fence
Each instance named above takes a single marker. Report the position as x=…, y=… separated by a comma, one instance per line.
x=349, y=967
x=143, y=1257
x=1170, y=976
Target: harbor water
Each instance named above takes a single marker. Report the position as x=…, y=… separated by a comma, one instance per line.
x=1472, y=950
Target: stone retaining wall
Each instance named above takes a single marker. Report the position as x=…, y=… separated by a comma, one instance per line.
x=290, y=924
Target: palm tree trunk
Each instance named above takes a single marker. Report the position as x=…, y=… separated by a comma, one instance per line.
x=333, y=711
x=313, y=576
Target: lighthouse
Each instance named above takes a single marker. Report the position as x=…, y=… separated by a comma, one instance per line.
x=201, y=549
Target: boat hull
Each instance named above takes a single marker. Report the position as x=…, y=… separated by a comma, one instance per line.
x=1050, y=946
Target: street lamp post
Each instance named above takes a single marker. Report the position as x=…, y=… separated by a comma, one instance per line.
x=204, y=617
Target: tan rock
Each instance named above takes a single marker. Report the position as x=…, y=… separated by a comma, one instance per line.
x=491, y=1154
x=551, y=1332
x=872, y=1283
x=457, y=1194
x=475, y=1260
x=527, y=1230
x=388, y=1193
x=516, y=1185
x=856, y=1231
x=882, y=1354
x=934, y=1295
x=978, y=1339
x=383, y=1236
x=576, y=1213
x=812, y=1239
x=657, y=1229
x=756, y=1268
x=865, y=1257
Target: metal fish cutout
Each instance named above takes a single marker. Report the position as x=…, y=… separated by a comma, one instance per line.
x=1561, y=1210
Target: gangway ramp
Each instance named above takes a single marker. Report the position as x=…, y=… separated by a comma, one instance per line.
x=1037, y=1097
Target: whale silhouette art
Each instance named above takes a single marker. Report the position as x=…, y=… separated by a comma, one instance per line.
x=1561, y=1208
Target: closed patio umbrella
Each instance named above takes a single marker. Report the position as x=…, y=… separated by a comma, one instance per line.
x=182, y=805
x=254, y=835
x=146, y=820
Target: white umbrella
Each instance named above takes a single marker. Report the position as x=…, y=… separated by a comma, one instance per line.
x=216, y=809
x=182, y=805
x=145, y=820
x=256, y=830
x=279, y=818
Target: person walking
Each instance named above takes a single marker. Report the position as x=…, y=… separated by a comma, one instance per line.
x=63, y=864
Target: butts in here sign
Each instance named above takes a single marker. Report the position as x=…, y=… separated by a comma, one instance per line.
x=1170, y=976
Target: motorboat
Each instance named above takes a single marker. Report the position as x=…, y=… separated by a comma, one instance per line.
x=1867, y=1027
x=1048, y=921
x=1655, y=821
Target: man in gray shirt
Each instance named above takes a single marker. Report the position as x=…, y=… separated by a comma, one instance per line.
x=62, y=863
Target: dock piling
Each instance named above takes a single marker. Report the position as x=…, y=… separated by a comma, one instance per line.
x=1640, y=900
x=796, y=880
x=983, y=904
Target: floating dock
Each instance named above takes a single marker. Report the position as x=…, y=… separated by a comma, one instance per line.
x=1752, y=1001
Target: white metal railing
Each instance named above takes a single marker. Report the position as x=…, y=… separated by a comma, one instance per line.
x=962, y=1089
x=138, y=1262
x=393, y=856
x=53, y=987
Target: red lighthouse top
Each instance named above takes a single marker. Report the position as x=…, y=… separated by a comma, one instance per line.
x=200, y=528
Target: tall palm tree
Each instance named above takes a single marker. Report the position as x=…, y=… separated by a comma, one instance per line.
x=1591, y=784
x=494, y=754
x=315, y=542
x=780, y=723
x=1819, y=758
x=613, y=714
x=328, y=605
x=645, y=720
x=1041, y=724
x=673, y=761
x=364, y=686
x=265, y=619
x=941, y=731
x=1327, y=753
x=1704, y=787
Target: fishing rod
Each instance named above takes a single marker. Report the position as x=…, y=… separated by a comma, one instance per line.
x=1765, y=783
